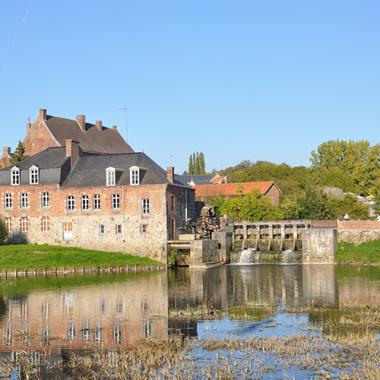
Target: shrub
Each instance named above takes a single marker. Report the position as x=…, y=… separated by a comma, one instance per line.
x=3, y=232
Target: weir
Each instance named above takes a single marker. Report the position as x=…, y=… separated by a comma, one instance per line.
x=269, y=236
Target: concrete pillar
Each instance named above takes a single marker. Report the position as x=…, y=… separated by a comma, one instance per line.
x=319, y=245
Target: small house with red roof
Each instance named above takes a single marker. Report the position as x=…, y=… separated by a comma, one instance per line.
x=229, y=190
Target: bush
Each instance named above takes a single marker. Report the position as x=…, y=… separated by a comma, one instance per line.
x=3, y=232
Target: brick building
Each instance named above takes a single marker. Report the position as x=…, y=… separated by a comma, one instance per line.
x=93, y=192
x=228, y=190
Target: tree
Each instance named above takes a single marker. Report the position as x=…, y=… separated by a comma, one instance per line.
x=197, y=163
x=191, y=164
x=358, y=161
x=250, y=207
x=3, y=232
x=19, y=153
x=202, y=163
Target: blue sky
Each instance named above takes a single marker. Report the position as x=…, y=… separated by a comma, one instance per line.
x=238, y=80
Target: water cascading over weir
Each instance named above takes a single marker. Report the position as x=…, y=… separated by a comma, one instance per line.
x=255, y=240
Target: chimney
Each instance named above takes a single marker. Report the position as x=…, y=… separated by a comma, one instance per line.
x=99, y=125
x=6, y=152
x=114, y=127
x=170, y=174
x=81, y=120
x=72, y=150
x=42, y=114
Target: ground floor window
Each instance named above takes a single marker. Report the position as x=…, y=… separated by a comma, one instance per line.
x=119, y=229
x=102, y=229
x=8, y=224
x=45, y=224
x=24, y=224
x=143, y=228
x=68, y=231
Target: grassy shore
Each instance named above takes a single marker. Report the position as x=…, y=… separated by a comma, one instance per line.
x=33, y=256
x=365, y=254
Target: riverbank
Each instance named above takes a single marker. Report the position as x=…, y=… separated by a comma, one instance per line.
x=361, y=254
x=33, y=258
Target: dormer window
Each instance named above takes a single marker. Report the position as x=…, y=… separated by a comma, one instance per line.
x=15, y=176
x=134, y=173
x=34, y=175
x=110, y=177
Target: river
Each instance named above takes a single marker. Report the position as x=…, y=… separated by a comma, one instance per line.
x=51, y=317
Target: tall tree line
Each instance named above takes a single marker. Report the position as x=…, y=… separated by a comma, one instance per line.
x=197, y=163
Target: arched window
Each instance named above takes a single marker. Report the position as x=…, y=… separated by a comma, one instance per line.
x=110, y=177
x=34, y=175
x=15, y=176
x=134, y=175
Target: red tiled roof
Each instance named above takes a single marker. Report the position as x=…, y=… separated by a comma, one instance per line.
x=231, y=189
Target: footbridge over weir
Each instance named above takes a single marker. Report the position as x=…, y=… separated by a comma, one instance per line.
x=270, y=236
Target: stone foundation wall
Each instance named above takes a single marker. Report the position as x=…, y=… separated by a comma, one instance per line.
x=86, y=234
x=203, y=252
x=319, y=245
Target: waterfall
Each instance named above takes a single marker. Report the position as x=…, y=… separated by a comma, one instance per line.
x=288, y=256
x=245, y=256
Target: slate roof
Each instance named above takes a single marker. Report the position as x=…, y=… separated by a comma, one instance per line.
x=232, y=189
x=51, y=158
x=90, y=170
x=108, y=140
x=198, y=179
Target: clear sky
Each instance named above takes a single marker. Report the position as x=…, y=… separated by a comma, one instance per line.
x=238, y=80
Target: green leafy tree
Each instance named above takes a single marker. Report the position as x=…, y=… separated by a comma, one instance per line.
x=250, y=207
x=358, y=161
x=3, y=232
x=19, y=153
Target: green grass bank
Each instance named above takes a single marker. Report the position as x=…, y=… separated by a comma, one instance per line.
x=361, y=254
x=33, y=256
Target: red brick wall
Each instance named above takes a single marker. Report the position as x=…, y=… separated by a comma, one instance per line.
x=38, y=138
x=358, y=224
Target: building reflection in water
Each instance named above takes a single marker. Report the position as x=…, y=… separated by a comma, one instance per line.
x=117, y=314
x=110, y=315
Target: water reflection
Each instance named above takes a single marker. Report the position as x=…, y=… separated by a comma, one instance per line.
x=116, y=311
x=109, y=315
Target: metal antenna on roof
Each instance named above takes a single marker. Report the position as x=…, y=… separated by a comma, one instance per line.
x=126, y=122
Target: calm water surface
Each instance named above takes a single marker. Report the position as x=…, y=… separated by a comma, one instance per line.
x=57, y=315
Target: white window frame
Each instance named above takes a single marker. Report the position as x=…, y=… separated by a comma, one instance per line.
x=8, y=224
x=24, y=200
x=70, y=203
x=45, y=199
x=97, y=202
x=102, y=229
x=24, y=224
x=45, y=224
x=34, y=175
x=111, y=176
x=145, y=206
x=134, y=176
x=85, y=202
x=115, y=201
x=15, y=176
x=8, y=201
x=119, y=229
